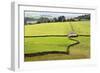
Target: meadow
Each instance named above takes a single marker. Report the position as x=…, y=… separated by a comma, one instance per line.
x=41, y=44
x=57, y=28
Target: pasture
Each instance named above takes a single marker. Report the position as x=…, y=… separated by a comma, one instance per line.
x=34, y=44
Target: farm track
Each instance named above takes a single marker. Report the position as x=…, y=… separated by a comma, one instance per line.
x=67, y=52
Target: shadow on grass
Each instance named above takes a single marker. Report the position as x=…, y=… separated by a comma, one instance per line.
x=45, y=53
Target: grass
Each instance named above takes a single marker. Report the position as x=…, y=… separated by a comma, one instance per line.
x=80, y=51
x=58, y=28
x=41, y=44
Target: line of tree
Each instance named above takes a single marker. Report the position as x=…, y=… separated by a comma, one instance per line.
x=80, y=18
x=57, y=19
x=45, y=19
x=83, y=17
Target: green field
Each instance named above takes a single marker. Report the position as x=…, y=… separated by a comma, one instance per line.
x=58, y=28
x=46, y=44
x=41, y=44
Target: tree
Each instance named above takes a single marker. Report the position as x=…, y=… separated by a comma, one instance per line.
x=55, y=19
x=43, y=20
x=71, y=19
x=61, y=18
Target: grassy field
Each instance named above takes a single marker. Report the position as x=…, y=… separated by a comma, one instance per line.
x=58, y=28
x=46, y=44
x=41, y=44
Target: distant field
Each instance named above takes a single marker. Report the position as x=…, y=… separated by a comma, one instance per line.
x=41, y=44
x=58, y=28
